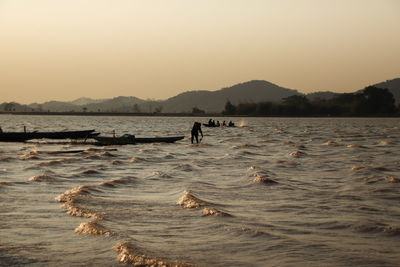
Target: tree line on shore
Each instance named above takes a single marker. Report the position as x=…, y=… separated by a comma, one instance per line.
x=371, y=101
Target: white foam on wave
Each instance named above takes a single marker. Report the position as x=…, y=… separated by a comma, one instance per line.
x=128, y=253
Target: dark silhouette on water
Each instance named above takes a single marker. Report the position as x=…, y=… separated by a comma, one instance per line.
x=195, y=131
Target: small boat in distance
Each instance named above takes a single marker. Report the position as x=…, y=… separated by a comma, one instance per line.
x=25, y=136
x=129, y=139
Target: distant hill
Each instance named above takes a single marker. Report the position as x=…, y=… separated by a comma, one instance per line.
x=85, y=101
x=252, y=91
x=393, y=86
x=321, y=95
x=116, y=104
x=209, y=101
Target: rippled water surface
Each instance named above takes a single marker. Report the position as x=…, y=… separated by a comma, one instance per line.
x=272, y=192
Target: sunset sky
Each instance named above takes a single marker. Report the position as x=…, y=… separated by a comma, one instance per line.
x=63, y=50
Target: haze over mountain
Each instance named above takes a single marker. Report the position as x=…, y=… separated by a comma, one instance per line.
x=208, y=101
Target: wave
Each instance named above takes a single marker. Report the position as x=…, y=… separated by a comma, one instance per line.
x=225, y=140
x=93, y=156
x=92, y=228
x=161, y=174
x=200, y=145
x=372, y=179
x=285, y=163
x=70, y=197
x=384, y=143
x=106, y=154
x=297, y=153
x=114, y=182
x=254, y=232
x=169, y=156
x=43, y=178
x=355, y=145
x=127, y=253
x=189, y=201
x=331, y=143
x=137, y=160
x=392, y=230
x=244, y=146
x=264, y=180
x=6, y=159
x=266, y=141
x=30, y=155
x=258, y=171
x=394, y=180
x=54, y=162
x=374, y=227
x=90, y=171
x=117, y=162
x=71, y=194
x=184, y=167
x=6, y=183
x=373, y=168
x=214, y=212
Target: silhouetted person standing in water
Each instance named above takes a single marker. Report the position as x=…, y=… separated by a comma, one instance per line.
x=195, y=131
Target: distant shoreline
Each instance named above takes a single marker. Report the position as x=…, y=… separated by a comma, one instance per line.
x=133, y=114
x=207, y=115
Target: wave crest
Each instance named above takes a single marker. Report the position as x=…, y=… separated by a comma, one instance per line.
x=263, y=180
x=71, y=194
x=189, y=201
x=91, y=228
x=127, y=253
x=42, y=177
x=214, y=212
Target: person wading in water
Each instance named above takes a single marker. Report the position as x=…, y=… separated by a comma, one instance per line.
x=195, y=131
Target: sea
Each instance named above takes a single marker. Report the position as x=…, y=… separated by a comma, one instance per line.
x=269, y=192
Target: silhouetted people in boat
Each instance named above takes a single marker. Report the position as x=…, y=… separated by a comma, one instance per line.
x=217, y=124
x=211, y=122
x=195, y=131
x=223, y=123
x=231, y=124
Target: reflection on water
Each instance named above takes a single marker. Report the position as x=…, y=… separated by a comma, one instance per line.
x=273, y=191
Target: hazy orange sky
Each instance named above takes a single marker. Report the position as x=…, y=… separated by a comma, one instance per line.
x=63, y=50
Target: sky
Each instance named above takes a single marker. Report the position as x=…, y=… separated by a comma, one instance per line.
x=156, y=49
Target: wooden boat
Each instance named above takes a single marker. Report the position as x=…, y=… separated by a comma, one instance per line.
x=25, y=136
x=67, y=134
x=169, y=139
x=131, y=139
x=218, y=126
x=125, y=139
x=210, y=125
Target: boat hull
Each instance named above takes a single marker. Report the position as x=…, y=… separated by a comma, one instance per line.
x=25, y=136
x=124, y=140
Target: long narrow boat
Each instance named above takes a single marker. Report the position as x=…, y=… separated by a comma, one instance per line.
x=131, y=139
x=67, y=134
x=169, y=139
x=25, y=136
x=125, y=139
x=218, y=126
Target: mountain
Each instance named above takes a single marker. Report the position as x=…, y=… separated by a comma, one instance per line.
x=214, y=101
x=85, y=101
x=209, y=101
x=393, y=86
x=321, y=95
x=54, y=106
x=116, y=104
